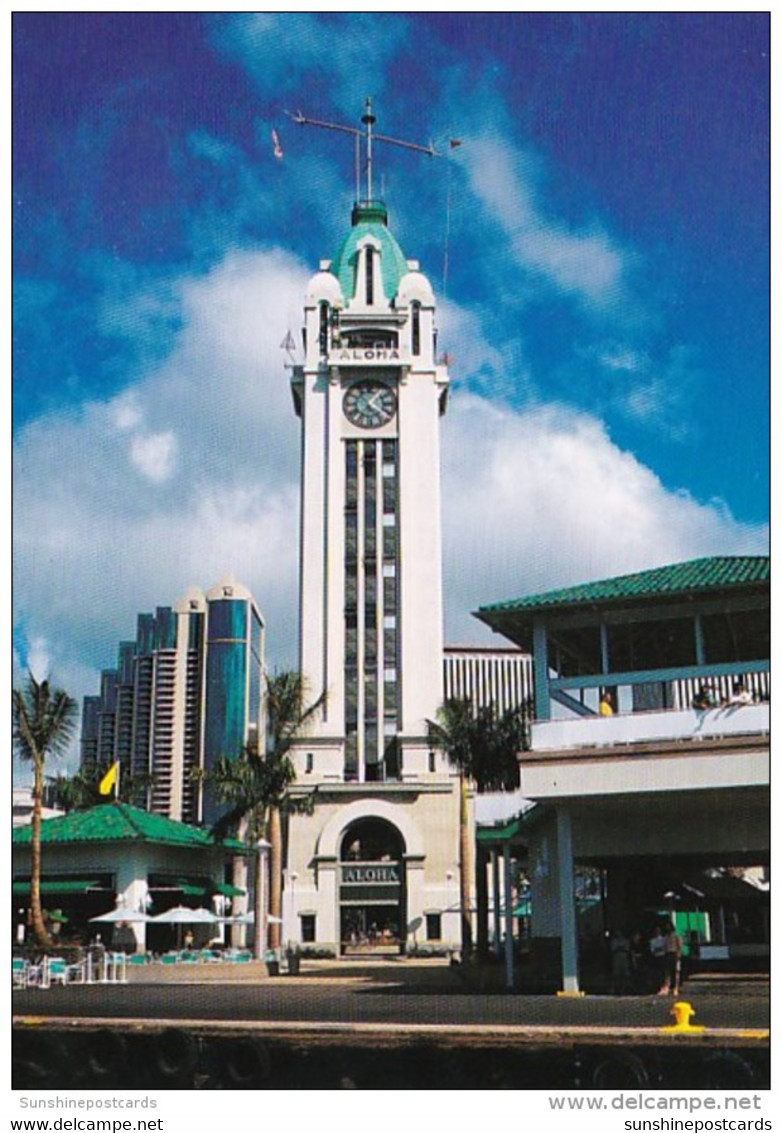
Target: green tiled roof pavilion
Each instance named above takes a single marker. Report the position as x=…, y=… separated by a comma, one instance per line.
x=697, y=576
x=120, y=822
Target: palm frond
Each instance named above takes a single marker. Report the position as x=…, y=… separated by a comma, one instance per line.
x=44, y=720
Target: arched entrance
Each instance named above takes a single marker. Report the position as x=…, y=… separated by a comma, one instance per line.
x=372, y=903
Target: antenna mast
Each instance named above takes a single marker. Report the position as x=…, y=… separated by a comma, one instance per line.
x=368, y=135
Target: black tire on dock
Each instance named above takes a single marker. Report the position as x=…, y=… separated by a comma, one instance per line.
x=244, y=1063
x=173, y=1059
x=618, y=1070
x=725, y=1070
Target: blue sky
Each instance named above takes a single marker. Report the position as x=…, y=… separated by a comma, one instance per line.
x=605, y=228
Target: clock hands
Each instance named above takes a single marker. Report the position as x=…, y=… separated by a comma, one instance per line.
x=370, y=404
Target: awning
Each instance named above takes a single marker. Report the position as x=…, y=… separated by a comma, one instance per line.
x=69, y=886
x=196, y=889
x=226, y=890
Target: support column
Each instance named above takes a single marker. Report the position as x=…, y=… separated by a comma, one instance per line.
x=482, y=901
x=495, y=885
x=261, y=922
x=509, y=975
x=134, y=897
x=540, y=671
x=567, y=907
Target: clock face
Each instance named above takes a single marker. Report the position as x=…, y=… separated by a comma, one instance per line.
x=369, y=404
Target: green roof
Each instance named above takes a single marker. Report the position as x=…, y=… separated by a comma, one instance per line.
x=119, y=822
x=193, y=889
x=499, y=831
x=369, y=219
x=697, y=576
x=53, y=886
x=506, y=830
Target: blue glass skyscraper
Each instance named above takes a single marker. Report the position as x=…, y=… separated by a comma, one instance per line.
x=185, y=692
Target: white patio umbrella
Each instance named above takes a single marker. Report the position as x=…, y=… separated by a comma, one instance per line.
x=182, y=915
x=249, y=918
x=120, y=915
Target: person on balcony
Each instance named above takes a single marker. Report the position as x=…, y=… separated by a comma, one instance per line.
x=703, y=699
x=606, y=704
x=739, y=695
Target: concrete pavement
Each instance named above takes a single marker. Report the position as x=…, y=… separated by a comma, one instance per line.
x=371, y=1015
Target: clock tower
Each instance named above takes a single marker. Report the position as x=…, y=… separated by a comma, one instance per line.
x=376, y=860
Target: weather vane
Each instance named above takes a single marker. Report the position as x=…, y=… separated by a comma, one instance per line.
x=367, y=135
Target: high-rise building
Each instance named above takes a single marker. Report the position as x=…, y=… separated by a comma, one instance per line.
x=187, y=691
x=378, y=856
x=500, y=678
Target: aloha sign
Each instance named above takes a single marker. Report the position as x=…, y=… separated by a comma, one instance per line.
x=361, y=874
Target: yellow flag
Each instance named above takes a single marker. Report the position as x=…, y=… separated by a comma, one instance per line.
x=109, y=780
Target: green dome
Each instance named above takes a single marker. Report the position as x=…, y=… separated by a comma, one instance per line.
x=369, y=218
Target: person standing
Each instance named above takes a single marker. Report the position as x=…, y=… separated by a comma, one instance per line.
x=657, y=953
x=673, y=961
x=621, y=963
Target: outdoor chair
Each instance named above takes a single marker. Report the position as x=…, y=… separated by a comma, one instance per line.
x=169, y=958
x=209, y=956
x=19, y=972
x=188, y=957
x=55, y=970
x=36, y=974
x=76, y=972
x=114, y=969
x=138, y=958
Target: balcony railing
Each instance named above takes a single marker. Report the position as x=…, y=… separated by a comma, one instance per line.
x=650, y=727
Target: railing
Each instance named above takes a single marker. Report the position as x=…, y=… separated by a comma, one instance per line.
x=655, y=690
x=640, y=727
x=757, y=684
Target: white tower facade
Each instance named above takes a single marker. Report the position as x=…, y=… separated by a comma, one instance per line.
x=377, y=859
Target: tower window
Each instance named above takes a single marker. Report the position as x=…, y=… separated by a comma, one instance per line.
x=309, y=762
x=389, y=542
x=324, y=329
x=415, y=332
x=369, y=276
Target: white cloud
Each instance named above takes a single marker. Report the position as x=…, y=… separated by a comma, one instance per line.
x=585, y=263
x=543, y=499
x=38, y=659
x=582, y=263
x=623, y=358
x=214, y=433
x=126, y=413
x=281, y=50
x=153, y=454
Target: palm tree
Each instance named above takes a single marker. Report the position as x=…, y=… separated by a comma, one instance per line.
x=82, y=790
x=71, y=792
x=482, y=747
x=255, y=787
x=44, y=723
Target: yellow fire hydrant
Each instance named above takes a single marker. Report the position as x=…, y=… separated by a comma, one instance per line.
x=682, y=1013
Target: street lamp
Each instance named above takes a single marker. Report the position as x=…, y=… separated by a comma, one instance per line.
x=260, y=926
x=292, y=876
